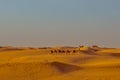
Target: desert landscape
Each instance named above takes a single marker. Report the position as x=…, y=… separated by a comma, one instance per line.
x=59, y=63
x=59, y=40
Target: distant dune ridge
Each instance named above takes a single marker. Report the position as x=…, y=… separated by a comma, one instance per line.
x=59, y=63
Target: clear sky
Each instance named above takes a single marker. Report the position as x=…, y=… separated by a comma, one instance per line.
x=60, y=22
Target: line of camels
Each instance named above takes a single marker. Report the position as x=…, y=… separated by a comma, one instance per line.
x=64, y=51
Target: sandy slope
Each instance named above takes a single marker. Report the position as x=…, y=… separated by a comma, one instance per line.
x=40, y=64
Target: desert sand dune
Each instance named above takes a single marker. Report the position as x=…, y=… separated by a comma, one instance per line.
x=40, y=64
x=33, y=70
x=29, y=71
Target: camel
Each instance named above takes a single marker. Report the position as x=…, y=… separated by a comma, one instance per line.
x=52, y=51
x=74, y=51
x=63, y=51
x=59, y=51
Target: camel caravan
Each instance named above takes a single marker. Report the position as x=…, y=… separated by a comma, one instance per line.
x=64, y=51
x=72, y=50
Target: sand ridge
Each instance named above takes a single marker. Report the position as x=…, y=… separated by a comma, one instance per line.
x=40, y=64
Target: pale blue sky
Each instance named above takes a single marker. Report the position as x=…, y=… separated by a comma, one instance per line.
x=60, y=22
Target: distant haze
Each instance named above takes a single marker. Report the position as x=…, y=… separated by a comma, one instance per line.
x=60, y=22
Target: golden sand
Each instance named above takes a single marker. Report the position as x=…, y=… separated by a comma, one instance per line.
x=41, y=64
